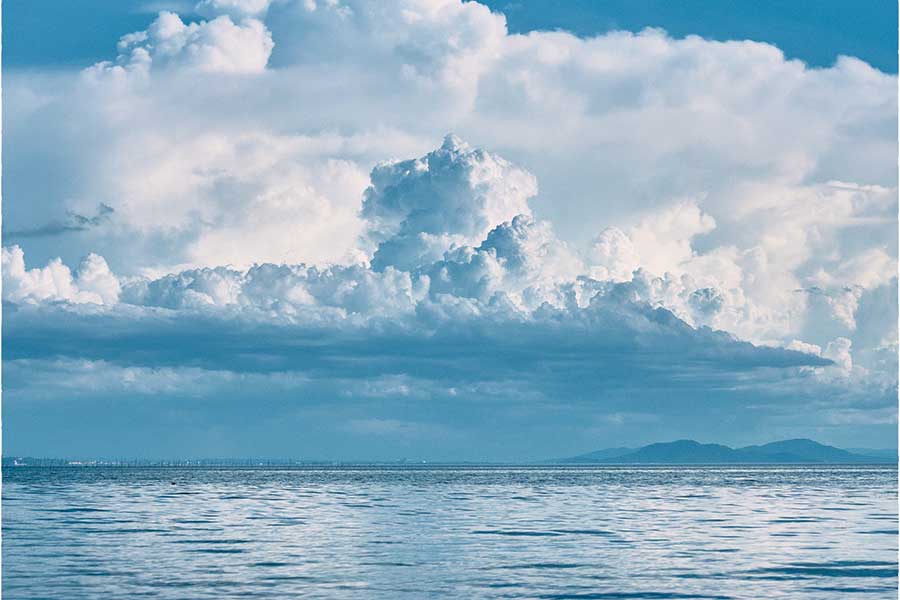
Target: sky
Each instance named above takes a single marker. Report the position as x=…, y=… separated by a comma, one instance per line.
x=436, y=230
x=56, y=33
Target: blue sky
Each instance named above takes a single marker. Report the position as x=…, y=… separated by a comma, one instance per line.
x=42, y=33
x=339, y=229
x=815, y=32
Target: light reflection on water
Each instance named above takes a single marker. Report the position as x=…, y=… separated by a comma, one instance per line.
x=496, y=532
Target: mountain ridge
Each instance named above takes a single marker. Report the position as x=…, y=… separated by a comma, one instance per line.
x=793, y=451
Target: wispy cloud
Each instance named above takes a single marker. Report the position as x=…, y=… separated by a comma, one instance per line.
x=73, y=223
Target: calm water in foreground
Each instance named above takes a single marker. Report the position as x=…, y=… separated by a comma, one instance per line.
x=467, y=532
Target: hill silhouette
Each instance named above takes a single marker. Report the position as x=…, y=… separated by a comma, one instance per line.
x=796, y=451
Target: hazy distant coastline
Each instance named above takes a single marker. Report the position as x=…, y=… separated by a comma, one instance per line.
x=796, y=451
x=681, y=452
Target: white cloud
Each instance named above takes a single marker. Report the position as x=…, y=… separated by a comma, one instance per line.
x=614, y=127
x=612, y=255
x=93, y=282
x=215, y=46
x=236, y=9
x=455, y=226
x=663, y=239
x=736, y=189
x=520, y=261
x=839, y=352
x=454, y=238
x=418, y=209
x=804, y=347
x=435, y=47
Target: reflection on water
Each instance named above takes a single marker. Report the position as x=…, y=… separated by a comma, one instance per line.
x=495, y=532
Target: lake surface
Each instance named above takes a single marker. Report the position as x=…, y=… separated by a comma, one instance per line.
x=464, y=532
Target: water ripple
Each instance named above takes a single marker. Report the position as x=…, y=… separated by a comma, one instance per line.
x=451, y=532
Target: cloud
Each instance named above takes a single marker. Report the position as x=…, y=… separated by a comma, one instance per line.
x=515, y=275
x=92, y=283
x=615, y=128
x=436, y=47
x=236, y=9
x=327, y=350
x=520, y=262
x=260, y=162
x=499, y=301
x=839, y=352
x=215, y=46
x=663, y=239
x=419, y=209
x=74, y=222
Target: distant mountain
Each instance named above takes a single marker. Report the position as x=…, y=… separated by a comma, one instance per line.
x=682, y=451
x=599, y=455
x=799, y=451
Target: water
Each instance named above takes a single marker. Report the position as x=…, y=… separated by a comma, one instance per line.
x=464, y=532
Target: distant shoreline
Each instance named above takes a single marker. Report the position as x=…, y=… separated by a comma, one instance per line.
x=678, y=453
x=436, y=465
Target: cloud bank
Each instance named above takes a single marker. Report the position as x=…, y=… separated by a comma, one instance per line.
x=628, y=213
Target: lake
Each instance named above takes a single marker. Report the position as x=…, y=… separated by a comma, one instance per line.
x=450, y=531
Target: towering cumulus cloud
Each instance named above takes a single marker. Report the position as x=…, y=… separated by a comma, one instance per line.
x=418, y=209
x=285, y=256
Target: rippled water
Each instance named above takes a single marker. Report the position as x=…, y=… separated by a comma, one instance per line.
x=605, y=532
